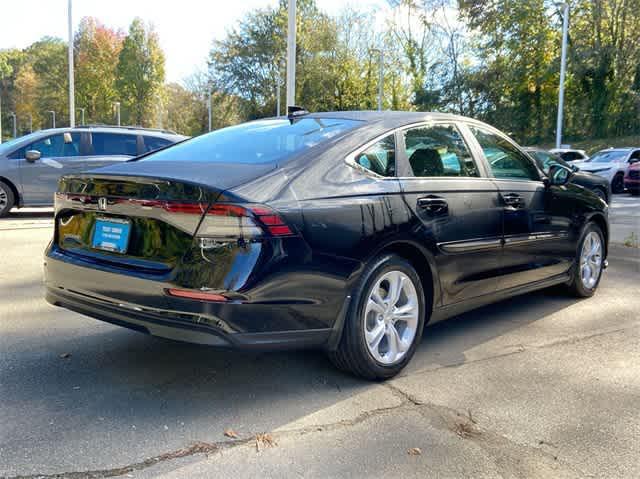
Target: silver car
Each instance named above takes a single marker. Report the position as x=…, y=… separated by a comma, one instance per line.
x=31, y=165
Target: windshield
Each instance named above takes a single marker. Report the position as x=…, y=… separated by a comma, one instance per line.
x=608, y=156
x=7, y=146
x=260, y=141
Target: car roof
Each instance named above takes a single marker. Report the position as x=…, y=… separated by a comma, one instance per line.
x=389, y=118
x=110, y=129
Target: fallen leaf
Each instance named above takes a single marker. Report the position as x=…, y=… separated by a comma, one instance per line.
x=65, y=355
x=231, y=433
x=414, y=451
x=264, y=441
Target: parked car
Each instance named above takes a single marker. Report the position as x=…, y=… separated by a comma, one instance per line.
x=599, y=185
x=569, y=154
x=611, y=164
x=632, y=177
x=327, y=230
x=31, y=165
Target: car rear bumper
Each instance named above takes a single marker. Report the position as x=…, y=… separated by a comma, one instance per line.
x=142, y=305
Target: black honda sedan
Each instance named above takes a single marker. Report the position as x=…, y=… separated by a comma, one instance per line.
x=347, y=231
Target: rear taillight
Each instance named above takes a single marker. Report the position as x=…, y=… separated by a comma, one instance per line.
x=225, y=220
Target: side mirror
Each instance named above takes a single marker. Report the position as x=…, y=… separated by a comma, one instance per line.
x=32, y=155
x=559, y=175
x=634, y=160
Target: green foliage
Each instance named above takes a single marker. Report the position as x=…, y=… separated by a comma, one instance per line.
x=496, y=60
x=140, y=75
x=518, y=43
x=97, y=50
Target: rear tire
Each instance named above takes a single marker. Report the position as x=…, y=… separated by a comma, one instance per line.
x=588, y=267
x=617, y=184
x=7, y=199
x=385, y=320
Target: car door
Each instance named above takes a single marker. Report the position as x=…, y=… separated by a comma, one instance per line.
x=457, y=206
x=59, y=155
x=106, y=148
x=536, y=220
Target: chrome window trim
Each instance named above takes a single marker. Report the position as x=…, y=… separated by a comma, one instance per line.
x=350, y=159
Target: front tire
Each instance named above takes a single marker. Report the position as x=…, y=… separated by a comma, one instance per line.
x=385, y=321
x=7, y=199
x=587, y=270
x=617, y=184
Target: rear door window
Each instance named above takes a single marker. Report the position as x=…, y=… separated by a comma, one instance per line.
x=438, y=150
x=152, y=143
x=111, y=144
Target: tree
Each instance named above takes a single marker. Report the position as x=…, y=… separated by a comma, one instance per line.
x=140, y=74
x=48, y=58
x=26, y=97
x=97, y=50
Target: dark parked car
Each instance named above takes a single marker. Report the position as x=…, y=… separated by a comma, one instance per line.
x=31, y=165
x=347, y=231
x=599, y=185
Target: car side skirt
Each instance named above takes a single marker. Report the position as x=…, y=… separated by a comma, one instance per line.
x=455, y=309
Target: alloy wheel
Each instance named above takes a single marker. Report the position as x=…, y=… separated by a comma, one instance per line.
x=591, y=260
x=4, y=198
x=391, y=317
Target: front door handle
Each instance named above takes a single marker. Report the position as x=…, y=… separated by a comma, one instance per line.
x=513, y=200
x=434, y=205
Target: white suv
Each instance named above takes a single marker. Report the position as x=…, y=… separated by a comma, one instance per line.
x=611, y=164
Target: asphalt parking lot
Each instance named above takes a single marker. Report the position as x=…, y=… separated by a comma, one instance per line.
x=536, y=386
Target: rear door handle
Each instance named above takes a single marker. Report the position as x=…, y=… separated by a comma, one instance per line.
x=513, y=200
x=434, y=205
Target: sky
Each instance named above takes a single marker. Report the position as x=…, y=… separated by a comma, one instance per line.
x=186, y=27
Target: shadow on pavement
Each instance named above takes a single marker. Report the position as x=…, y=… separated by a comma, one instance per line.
x=156, y=395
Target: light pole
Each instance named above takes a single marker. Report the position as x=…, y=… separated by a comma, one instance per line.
x=209, y=109
x=278, y=80
x=0, y=116
x=53, y=118
x=563, y=71
x=380, y=76
x=72, y=100
x=30, y=123
x=117, y=105
x=15, y=130
x=291, y=55
x=82, y=115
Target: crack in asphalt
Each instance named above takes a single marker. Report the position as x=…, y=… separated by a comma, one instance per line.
x=520, y=348
x=457, y=422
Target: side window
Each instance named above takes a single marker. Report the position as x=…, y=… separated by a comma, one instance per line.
x=109, y=144
x=504, y=159
x=438, y=150
x=63, y=145
x=154, y=143
x=380, y=157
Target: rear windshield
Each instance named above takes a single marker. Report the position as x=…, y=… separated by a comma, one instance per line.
x=261, y=141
